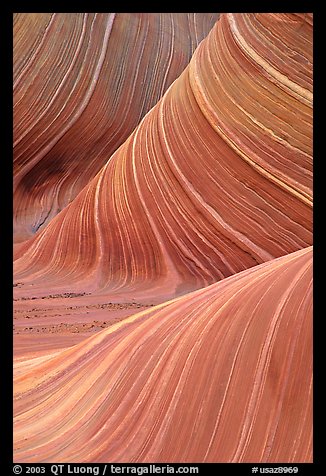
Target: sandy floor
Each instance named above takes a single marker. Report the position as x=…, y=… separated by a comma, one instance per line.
x=50, y=322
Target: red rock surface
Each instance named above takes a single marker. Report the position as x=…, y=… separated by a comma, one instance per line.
x=82, y=83
x=207, y=201
x=222, y=374
x=184, y=201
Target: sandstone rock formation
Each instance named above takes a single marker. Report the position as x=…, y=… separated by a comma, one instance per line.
x=222, y=374
x=214, y=180
x=82, y=83
x=166, y=300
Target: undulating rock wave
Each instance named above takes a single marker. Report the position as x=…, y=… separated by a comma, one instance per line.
x=163, y=225
x=82, y=83
x=217, y=177
x=220, y=375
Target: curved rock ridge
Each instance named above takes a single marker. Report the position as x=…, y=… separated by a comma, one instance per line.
x=223, y=374
x=260, y=101
x=215, y=179
x=82, y=83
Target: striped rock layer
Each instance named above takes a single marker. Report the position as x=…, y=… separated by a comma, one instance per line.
x=220, y=375
x=197, y=190
x=82, y=83
x=217, y=177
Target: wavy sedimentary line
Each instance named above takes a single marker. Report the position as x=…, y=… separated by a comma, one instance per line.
x=298, y=46
x=93, y=63
x=230, y=101
x=30, y=33
x=82, y=84
x=281, y=79
x=59, y=88
x=222, y=374
x=176, y=206
x=83, y=102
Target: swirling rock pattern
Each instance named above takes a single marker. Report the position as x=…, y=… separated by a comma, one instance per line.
x=222, y=374
x=169, y=302
x=184, y=202
x=82, y=83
